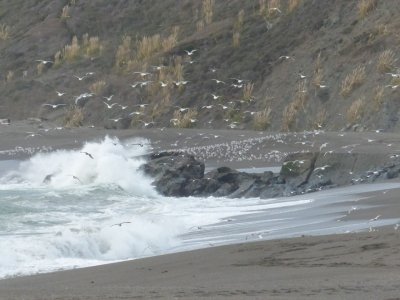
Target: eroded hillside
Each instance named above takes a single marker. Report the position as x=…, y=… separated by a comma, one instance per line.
x=265, y=64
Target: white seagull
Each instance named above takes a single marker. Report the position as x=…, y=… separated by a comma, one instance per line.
x=190, y=53
x=109, y=98
x=218, y=81
x=110, y=106
x=45, y=62
x=54, y=106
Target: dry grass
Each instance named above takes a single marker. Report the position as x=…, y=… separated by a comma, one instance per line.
x=4, y=32
x=9, y=76
x=236, y=39
x=147, y=46
x=57, y=59
x=293, y=5
x=386, y=61
x=320, y=119
x=200, y=25
x=97, y=87
x=208, y=11
x=355, y=111
x=365, y=7
x=185, y=119
x=248, y=91
x=273, y=9
x=261, y=7
x=71, y=52
x=301, y=95
x=74, y=117
x=177, y=68
x=93, y=47
x=382, y=30
x=238, y=26
x=171, y=41
x=289, y=117
x=378, y=99
x=65, y=13
x=352, y=81
x=262, y=119
x=124, y=52
x=318, y=76
x=40, y=68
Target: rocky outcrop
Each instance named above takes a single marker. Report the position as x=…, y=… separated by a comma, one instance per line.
x=179, y=174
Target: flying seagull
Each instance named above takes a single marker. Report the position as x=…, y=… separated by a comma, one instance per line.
x=110, y=106
x=88, y=154
x=54, y=106
x=120, y=224
x=45, y=62
x=60, y=94
x=190, y=53
x=108, y=98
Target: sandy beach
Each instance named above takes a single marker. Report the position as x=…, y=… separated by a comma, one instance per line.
x=344, y=266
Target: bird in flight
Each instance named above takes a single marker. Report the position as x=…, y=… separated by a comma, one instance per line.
x=116, y=120
x=215, y=97
x=45, y=62
x=82, y=96
x=143, y=105
x=142, y=74
x=218, y=81
x=191, y=52
x=182, y=82
x=110, y=106
x=182, y=109
x=146, y=124
x=120, y=224
x=54, y=106
x=80, y=78
x=60, y=94
x=109, y=98
x=88, y=154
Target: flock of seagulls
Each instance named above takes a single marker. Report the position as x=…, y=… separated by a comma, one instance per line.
x=147, y=78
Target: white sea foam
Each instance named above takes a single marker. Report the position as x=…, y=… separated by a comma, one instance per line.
x=69, y=223
x=112, y=163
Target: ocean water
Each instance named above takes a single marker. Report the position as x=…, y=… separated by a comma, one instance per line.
x=74, y=219
x=103, y=209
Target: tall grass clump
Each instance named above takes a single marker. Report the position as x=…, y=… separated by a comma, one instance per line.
x=262, y=119
x=71, y=52
x=293, y=5
x=355, y=111
x=208, y=11
x=352, y=81
x=4, y=32
x=248, y=91
x=289, y=116
x=65, y=13
x=365, y=7
x=185, y=119
x=124, y=52
x=386, y=61
x=97, y=87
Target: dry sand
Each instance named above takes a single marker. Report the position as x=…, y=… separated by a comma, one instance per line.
x=351, y=266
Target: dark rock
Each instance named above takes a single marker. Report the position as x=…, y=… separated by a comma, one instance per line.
x=178, y=174
x=297, y=168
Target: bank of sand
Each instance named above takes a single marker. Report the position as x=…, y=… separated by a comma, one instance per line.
x=350, y=266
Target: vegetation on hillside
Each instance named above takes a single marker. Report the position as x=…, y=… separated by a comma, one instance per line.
x=288, y=65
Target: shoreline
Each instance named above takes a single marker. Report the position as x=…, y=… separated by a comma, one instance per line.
x=253, y=270
x=343, y=266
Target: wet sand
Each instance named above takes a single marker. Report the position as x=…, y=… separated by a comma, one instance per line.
x=347, y=266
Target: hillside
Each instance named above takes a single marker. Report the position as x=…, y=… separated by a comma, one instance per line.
x=305, y=64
